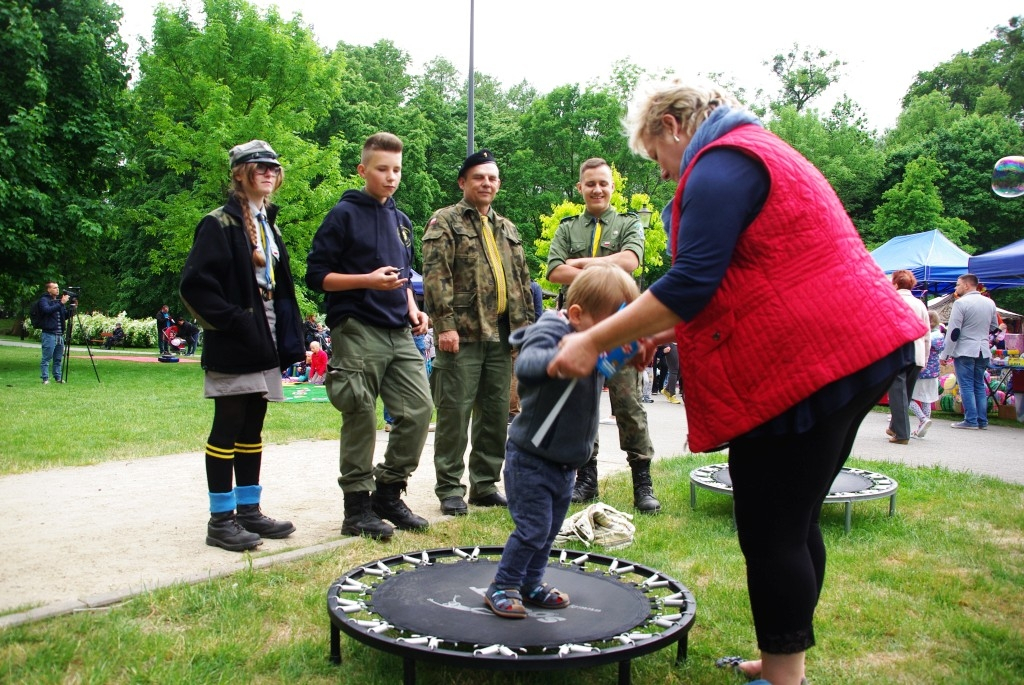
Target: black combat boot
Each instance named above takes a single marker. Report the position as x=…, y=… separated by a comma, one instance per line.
x=360, y=519
x=223, y=531
x=252, y=519
x=585, y=489
x=387, y=504
x=644, y=500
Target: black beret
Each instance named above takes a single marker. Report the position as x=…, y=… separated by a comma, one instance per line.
x=476, y=159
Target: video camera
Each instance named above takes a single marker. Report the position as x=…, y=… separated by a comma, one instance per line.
x=73, y=292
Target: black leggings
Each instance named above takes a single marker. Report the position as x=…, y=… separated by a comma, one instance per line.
x=779, y=485
x=237, y=419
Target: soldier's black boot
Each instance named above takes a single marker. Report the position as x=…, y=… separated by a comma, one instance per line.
x=360, y=519
x=644, y=500
x=253, y=520
x=223, y=531
x=585, y=489
x=387, y=504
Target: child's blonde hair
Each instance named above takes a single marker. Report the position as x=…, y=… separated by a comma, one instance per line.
x=601, y=289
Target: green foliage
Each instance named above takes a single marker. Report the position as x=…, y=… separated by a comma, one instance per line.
x=913, y=205
x=90, y=327
x=63, y=118
x=804, y=75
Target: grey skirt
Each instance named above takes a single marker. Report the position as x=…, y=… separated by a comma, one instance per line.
x=266, y=383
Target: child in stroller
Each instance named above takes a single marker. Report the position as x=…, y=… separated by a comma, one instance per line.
x=174, y=343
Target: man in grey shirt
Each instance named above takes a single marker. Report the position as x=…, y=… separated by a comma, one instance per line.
x=972, y=318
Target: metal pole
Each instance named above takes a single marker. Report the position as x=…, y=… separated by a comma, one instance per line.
x=471, y=85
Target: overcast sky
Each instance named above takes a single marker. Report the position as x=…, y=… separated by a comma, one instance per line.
x=554, y=42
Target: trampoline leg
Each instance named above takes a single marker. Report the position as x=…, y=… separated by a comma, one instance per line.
x=849, y=515
x=409, y=675
x=624, y=672
x=681, y=648
x=892, y=505
x=693, y=495
x=335, y=644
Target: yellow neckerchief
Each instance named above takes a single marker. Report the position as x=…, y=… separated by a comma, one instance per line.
x=494, y=257
x=597, y=238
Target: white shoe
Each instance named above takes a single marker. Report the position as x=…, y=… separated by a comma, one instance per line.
x=923, y=428
x=608, y=421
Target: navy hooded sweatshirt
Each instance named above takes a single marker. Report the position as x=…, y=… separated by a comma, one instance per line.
x=358, y=236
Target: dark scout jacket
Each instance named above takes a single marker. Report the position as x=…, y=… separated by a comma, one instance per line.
x=218, y=286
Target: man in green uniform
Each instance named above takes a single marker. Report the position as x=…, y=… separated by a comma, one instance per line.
x=476, y=289
x=601, y=234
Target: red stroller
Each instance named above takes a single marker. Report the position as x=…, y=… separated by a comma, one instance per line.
x=174, y=343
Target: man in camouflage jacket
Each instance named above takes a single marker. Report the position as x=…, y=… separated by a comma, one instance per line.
x=476, y=290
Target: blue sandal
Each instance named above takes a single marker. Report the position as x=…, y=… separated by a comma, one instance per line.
x=507, y=603
x=544, y=596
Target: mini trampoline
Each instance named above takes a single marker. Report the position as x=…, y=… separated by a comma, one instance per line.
x=851, y=485
x=428, y=606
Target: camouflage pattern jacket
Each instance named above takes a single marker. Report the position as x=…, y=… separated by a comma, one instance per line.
x=458, y=284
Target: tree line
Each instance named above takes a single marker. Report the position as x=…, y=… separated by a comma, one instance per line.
x=104, y=176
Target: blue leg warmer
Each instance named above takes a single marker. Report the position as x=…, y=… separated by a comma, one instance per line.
x=248, y=494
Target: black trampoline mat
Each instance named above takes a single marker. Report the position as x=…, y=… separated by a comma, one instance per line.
x=445, y=600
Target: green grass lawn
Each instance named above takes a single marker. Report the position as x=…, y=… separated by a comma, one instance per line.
x=932, y=595
x=134, y=410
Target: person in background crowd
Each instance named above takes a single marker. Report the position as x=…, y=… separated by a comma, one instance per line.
x=116, y=337
x=53, y=309
x=926, y=390
x=163, y=322
x=237, y=282
x=513, y=395
x=902, y=389
x=476, y=289
x=317, y=364
x=749, y=214
x=190, y=332
x=971, y=319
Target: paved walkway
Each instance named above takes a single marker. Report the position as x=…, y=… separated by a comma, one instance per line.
x=84, y=537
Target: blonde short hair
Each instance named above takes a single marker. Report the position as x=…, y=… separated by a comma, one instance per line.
x=690, y=104
x=601, y=289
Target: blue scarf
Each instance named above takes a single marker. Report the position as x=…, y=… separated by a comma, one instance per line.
x=722, y=120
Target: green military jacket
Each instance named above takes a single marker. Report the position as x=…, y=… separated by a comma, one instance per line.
x=458, y=283
x=574, y=237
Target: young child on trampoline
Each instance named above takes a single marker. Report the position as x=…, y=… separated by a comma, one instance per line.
x=540, y=465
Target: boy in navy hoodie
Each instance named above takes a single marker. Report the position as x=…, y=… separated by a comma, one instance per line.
x=361, y=257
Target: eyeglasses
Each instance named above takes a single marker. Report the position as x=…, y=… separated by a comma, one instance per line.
x=268, y=169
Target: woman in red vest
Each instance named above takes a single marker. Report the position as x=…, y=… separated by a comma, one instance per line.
x=752, y=221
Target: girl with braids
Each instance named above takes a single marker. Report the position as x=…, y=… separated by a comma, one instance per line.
x=237, y=282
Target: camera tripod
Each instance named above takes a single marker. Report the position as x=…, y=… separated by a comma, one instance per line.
x=73, y=304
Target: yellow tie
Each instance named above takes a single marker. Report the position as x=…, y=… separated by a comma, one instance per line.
x=597, y=239
x=494, y=257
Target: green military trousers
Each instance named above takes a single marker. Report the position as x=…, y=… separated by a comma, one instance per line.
x=472, y=383
x=630, y=417
x=367, y=361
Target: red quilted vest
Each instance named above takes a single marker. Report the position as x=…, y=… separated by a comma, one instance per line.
x=799, y=287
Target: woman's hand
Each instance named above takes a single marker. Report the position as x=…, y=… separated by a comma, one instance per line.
x=577, y=357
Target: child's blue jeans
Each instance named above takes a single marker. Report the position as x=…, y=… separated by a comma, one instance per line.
x=538, y=493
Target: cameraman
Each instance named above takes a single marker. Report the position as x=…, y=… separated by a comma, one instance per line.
x=54, y=313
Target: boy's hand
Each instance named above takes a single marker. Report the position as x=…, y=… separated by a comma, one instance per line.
x=387, y=278
x=420, y=322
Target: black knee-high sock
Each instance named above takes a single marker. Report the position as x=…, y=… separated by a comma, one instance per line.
x=228, y=420
x=249, y=445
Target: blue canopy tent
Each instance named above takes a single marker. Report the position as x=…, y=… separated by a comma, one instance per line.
x=417, y=283
x=1002, y=268
x=933, y=259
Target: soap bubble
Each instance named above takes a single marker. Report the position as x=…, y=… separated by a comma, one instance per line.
x=1008, y=177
